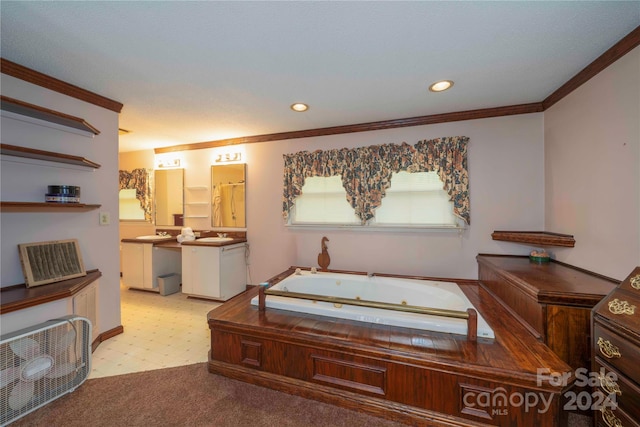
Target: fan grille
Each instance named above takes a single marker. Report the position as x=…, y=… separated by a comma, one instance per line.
x=42, y=363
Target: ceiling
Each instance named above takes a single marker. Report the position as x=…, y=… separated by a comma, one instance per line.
x=190, y=72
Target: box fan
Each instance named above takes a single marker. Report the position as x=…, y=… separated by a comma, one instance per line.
x=41, y=363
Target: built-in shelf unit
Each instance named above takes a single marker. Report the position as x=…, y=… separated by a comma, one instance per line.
x=60, y=121
x=535, y=238
x=196, y=203
x=32, y=153
x=31, y=113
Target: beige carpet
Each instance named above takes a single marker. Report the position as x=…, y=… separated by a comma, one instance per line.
x=191, y=396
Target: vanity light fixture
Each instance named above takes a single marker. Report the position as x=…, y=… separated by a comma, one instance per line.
x=440, y=86
x=229, y=157
x=299, y=107
x=168, y=163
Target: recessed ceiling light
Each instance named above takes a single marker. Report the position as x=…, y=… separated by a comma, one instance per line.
x=299, y=107
x=441, y=85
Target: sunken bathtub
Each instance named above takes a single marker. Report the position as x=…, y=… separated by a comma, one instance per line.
x=422, y=304
x=429, y=373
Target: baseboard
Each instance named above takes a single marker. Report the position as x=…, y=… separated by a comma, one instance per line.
x=105, y=336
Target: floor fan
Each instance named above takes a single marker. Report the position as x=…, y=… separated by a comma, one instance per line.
x=41, y=363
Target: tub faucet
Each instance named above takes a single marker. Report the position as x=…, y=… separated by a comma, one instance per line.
x=370, y=274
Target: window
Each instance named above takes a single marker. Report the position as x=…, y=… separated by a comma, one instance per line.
x=414, y=199
x=323, y=201
x=428, y=179
x=130, y=208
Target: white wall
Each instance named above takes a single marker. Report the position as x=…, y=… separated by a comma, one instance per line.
x=28, y=182
x=592, y=170
x=505, y=160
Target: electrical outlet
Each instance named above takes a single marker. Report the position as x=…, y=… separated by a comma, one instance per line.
x=105, y=218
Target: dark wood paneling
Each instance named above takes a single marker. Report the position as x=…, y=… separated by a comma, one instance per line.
x=553, y=299
x=416, y=371
x=48, y=82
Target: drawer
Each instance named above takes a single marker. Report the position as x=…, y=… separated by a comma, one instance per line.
x=615, y=418
x=618, y=352
x=627, y=393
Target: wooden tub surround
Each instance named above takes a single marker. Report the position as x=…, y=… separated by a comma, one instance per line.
x=408, y=375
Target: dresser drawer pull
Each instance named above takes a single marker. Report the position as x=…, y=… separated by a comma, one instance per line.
x=635, y=282
x=621, y=307
x=607, y=349
x=610, y=419
x=609, y=385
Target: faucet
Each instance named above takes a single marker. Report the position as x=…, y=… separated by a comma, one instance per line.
x=370, y=274
x=222, y=234
x=162, y=233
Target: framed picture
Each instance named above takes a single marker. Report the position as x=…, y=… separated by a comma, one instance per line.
x=49, y=262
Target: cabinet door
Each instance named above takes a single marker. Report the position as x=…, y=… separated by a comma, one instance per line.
x=85, y=304
x=233, y=271
x=133, y=265
x=200, y=271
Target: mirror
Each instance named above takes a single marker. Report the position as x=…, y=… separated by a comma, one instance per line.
x=227, y=196
x=169, y=196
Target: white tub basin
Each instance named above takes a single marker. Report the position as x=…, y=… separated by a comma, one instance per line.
x=214, y=239
x=153, y=237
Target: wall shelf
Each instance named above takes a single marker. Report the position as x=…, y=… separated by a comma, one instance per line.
x=45, y=207
x=32, y=153
x=537, y=238
x=31, y=113
x=19, y=297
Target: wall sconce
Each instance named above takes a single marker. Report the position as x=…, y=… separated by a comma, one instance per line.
x=168, y=163
x=229, y=157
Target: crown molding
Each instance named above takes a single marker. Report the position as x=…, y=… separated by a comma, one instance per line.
x=37, y=78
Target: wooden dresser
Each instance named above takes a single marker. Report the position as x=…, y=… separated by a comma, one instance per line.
x=616, y=352
x=553, y=300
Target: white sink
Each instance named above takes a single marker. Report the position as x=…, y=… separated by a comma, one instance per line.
x=153, y=237
x=214, y=239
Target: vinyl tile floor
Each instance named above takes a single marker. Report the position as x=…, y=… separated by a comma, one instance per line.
x=159, y=332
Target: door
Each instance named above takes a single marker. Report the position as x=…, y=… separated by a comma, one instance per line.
x=133, y=265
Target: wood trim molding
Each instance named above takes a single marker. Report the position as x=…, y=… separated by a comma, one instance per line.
x=105, y=336
x=21, y=72
x=617, y=51
x=541, y=238
x=483, y=113
x=19, y=297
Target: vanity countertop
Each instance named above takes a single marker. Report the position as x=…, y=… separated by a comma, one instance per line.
x=157, y=241
x=198, y=243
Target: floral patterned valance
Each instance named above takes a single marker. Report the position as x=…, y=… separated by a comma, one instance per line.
x=140, y=179
x=366, y=171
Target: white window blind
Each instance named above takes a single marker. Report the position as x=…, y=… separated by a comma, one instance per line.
x=414, y=199
x=323, y=201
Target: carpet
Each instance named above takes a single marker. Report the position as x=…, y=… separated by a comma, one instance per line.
x=191, y=396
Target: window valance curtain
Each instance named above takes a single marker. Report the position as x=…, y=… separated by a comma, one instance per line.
x=366, y=171
x=140, y=180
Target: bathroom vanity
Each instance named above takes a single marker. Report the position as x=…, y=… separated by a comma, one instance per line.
x=143, y=260
x=214, y=270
